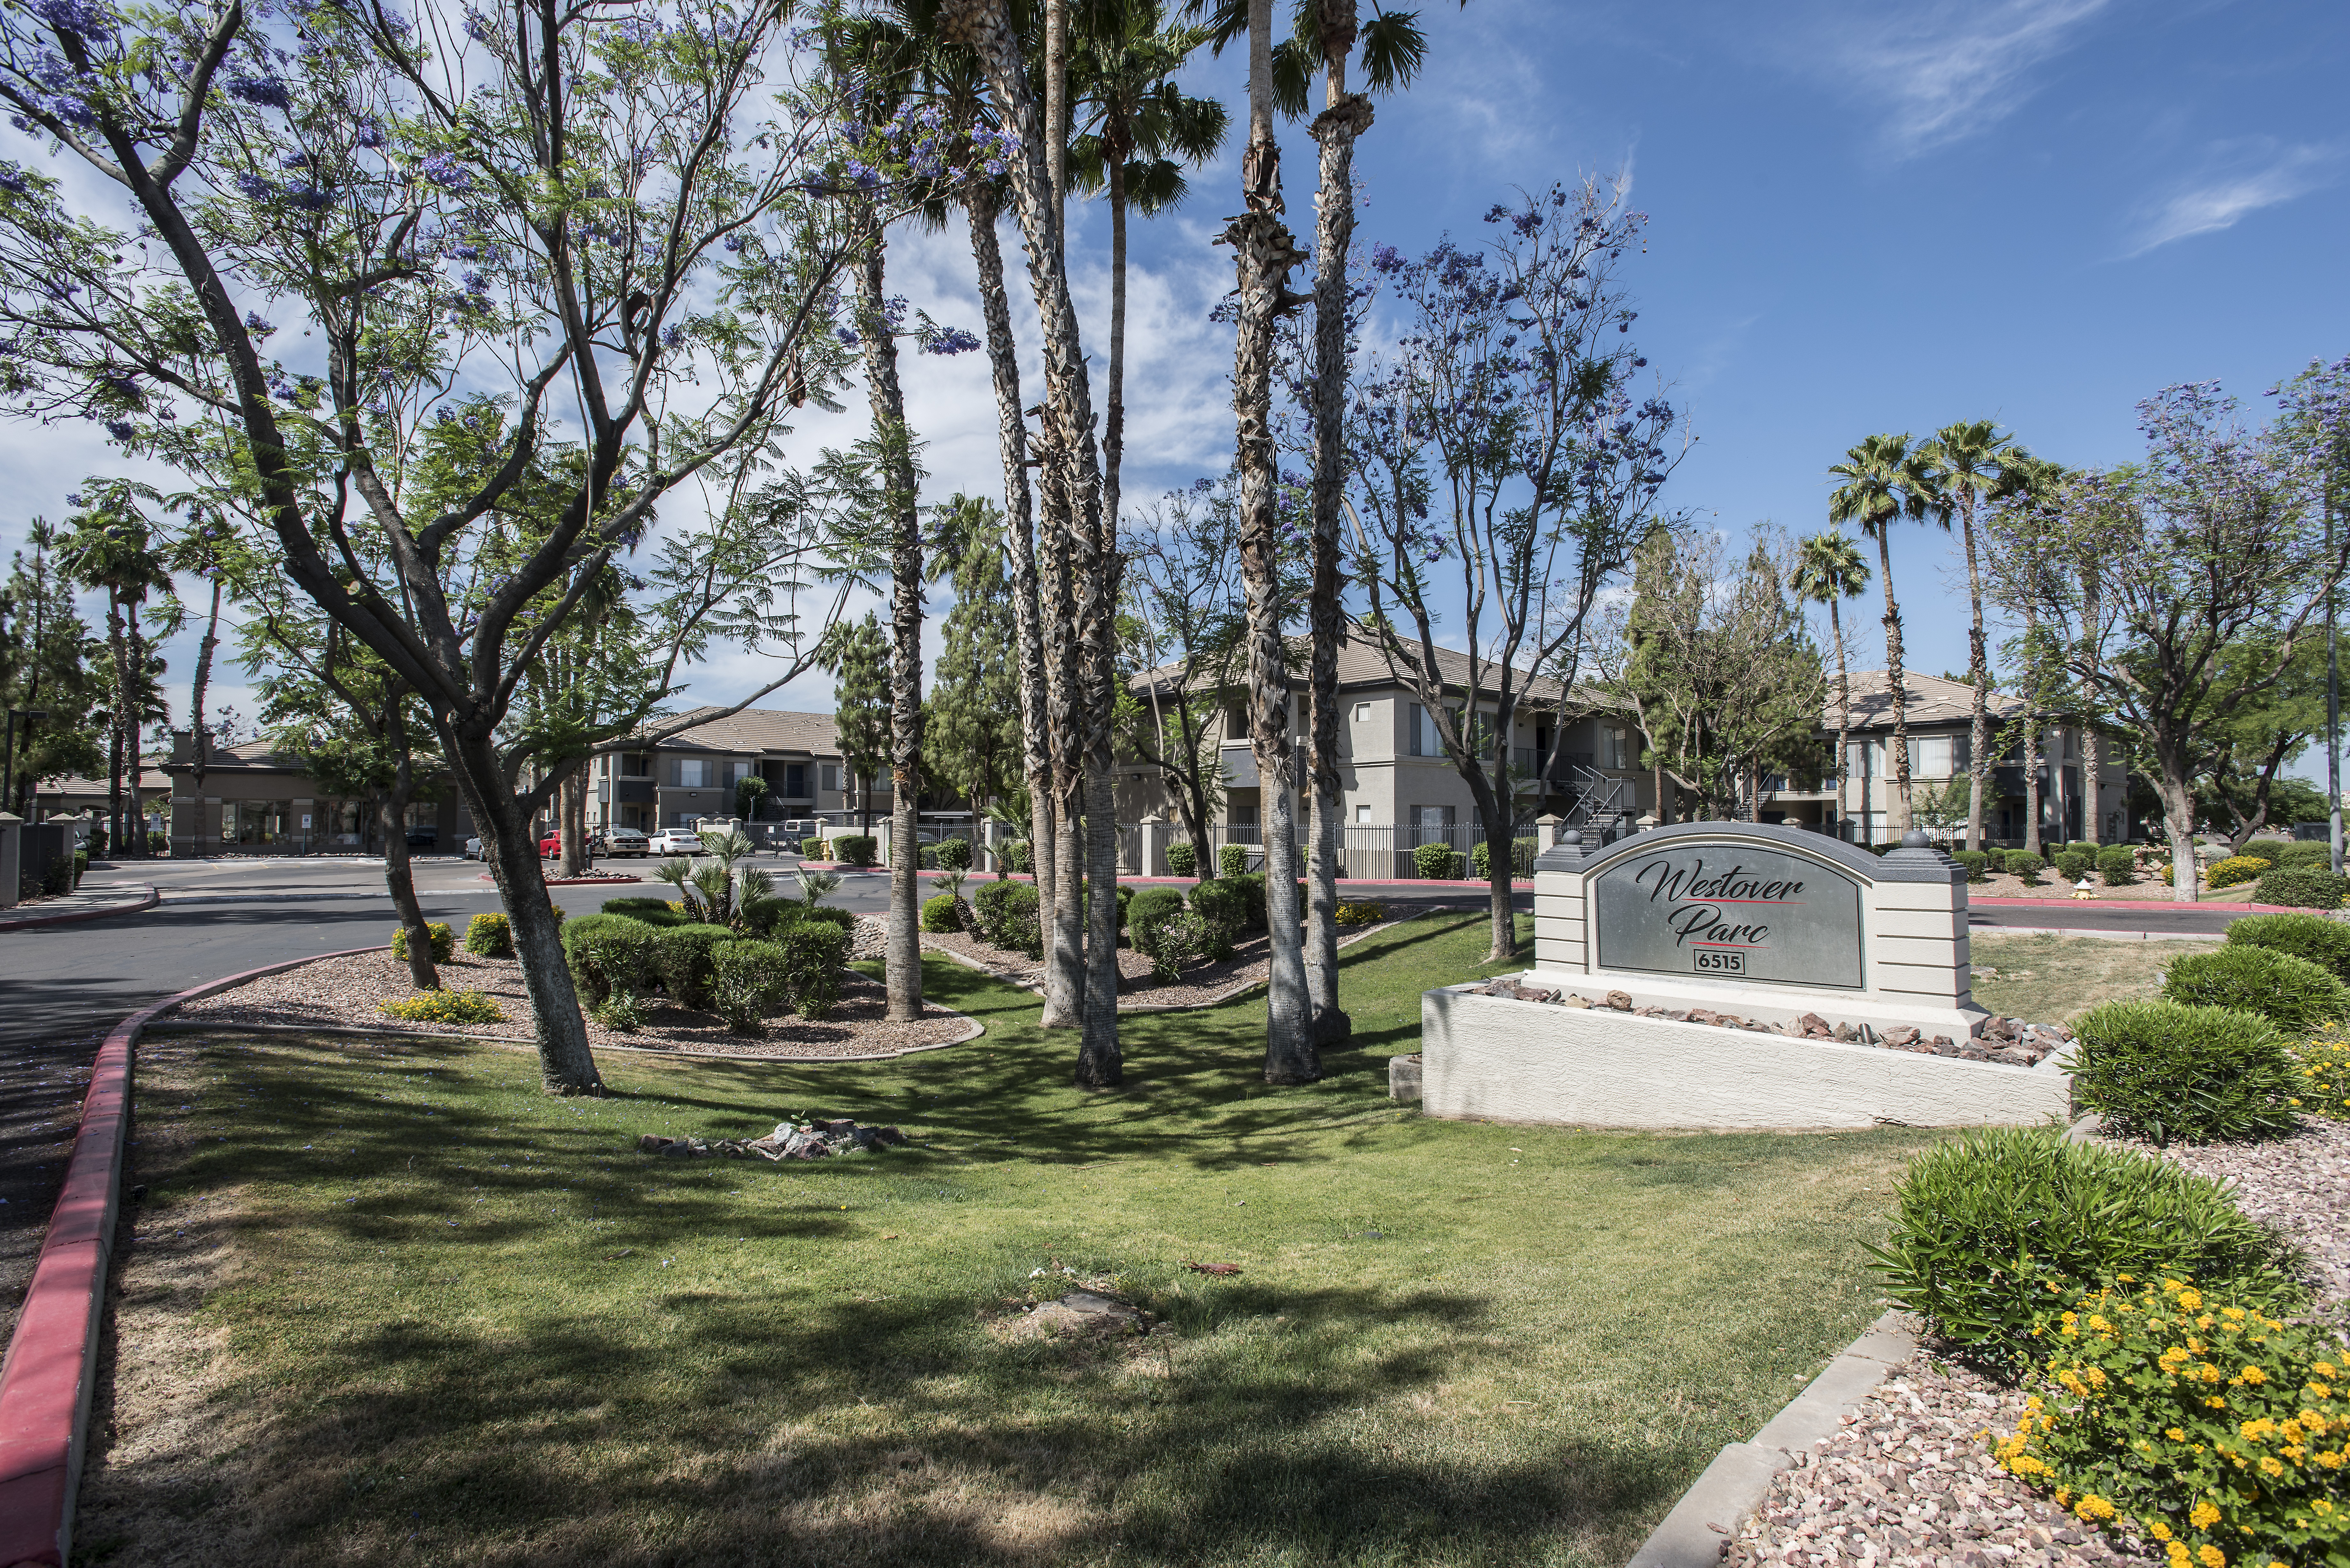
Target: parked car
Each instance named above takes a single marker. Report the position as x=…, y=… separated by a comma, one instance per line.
x=426, y=838
x=625, y=841
x=675, y=841
x=474, y=849
x=550, y=847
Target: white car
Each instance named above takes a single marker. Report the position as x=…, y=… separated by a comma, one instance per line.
x=473, y=849
x=677, y=841
x=624, y=841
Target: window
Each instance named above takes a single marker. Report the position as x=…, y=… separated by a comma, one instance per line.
x=1615, y=746
x=1427, y=817
x=636, y=765
x=1236, y=724
x=1425, y=740
x=1929, y=756
x=832, y=775
x=694, y=772
x=796, y=781
x=1362, y=814
x=737, y=772
x=1362, y=712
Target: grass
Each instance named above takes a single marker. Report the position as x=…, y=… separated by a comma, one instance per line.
x=468, y=1323
x=2054, y=980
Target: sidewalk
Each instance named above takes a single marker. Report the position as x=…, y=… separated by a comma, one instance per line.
x=92, y=901
x=1522, y=884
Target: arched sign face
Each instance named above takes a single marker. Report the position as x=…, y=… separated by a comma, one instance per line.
x=1733, y=911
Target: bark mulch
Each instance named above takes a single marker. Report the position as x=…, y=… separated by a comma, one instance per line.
x=343, y=994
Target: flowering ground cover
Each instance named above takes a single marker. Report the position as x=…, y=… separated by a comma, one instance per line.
x=386, y=1303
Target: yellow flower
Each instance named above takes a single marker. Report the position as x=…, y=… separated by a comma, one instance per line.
x=2175, y=1435
x=2253, y=1375
x=2203, y=1516
x=2158, y=1529
x=2190, y=1299
x=2093, y=1507
x=2269, y=1466
x=2211, y=1556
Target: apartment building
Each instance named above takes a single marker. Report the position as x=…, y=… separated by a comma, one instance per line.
x=697, y=773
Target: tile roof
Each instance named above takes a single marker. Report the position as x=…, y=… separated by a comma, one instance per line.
x=1932, y=701
x=757, y=730
x=1362, y=664
x=261, y=753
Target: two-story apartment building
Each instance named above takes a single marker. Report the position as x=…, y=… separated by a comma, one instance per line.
x=1392, y=768
x=257, y=799
x=1940, y=736
x=696, y=773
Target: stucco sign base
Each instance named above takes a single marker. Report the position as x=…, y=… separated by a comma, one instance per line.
x=1495, y=1057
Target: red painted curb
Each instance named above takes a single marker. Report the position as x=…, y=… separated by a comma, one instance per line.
x=34, y=922
x=46, y=1381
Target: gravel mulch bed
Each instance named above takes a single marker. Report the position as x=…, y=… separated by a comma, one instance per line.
x=1909, y=1480
x=2300, y=1185
x=1200, y=985
x=1919, y=1442
x=342, y=992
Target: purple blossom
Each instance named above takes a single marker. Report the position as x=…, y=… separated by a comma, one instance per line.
x=369, y=133
x=672, y=336
x=950, y=340
x=443, y=169
x=120, y=430
x=12, y=179
x=256, y=88
x=255, y=186
x=309, y=198
x=77, y=16
x=257, y=326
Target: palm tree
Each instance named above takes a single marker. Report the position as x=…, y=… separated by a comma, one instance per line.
x=113, y=550
x=210, y=549
x=1828, y=570
x=1970, y=460
x=1884, y=482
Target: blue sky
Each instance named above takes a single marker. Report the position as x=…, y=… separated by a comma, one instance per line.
x=1864, y=217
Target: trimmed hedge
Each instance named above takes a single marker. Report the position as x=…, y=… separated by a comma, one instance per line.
x=440, y=939
x=840, y=920
x=610, y=955
x=489, y=935
x=1007, y=915
x=682, y=959
x=1221, y=903
x=639, y=904
x=2291, y=993
x=942, y=912
x=859, y=849
x=1976, y=861
x=746, y=983
x=1232, y=861
x=2301, y=855
x=1521, y=858
x=2024, y=864
x=1013, y=855
x=2118, y=866
x=2324, y=942
x=1436, y=862
x=2075, y=864
x=2304, y=888
x=811, y=848
x=952, y=853
x=815, y=952
x=2200, y=1075
x=1991, y=1225
x=1146, y=921
x=1183, y=861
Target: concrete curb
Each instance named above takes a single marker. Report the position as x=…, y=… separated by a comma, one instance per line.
x=46, y=1379
x=1701, y=1526
x=521, y=1043
x=2103, y=936
x=34, y=922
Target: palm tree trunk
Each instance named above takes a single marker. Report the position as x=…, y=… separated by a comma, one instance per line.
x=1264, y=252
x=2031, y=730
x=1344, y=117
x=1056, y=602
x=1843, y=713
x=2093, y=745
x=1098, y=618
x=1896, y=805
x=1067, y=429
x=118, y=647
x=1978, y=677
x=1012, y=436
x=903, y=952
x=201, y=689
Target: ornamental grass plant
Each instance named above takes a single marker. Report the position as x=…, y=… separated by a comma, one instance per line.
x=1992, y=1225
x=2164, y=1070
x=2211, y=1424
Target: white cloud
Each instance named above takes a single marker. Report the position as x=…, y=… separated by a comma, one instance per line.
x=1949, y=70
x=2238, y=179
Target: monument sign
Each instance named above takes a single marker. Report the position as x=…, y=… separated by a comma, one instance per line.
x=1754, y=912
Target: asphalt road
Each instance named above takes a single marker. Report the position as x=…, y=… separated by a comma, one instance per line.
x=62, y=987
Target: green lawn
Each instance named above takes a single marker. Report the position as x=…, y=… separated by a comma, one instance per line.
x=2054, y=980
x=469, y=1324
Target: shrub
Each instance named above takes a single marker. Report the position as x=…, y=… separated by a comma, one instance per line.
x=682, y=957
x=2075, y=864
x=953, y=853
x=812, y=848
x=813, y=954
x=840, y=920
x=1364, y=914
x=2200, y=1075
x=1147, y=918
x=623, y=1011
x=1007, y=915
x=2291, y=993
x=610, y=955
x=1013, y=855
x=1521, y=858
x=159, y=844
x=489, y=936
x=81, y=865
x=2302, y=888
x=1222, y=907
x=1183, y=861
x=442, y=1007
x=2118, y=866
x=1436, y=862
x=1252, y=891
x=637, y=904
x=58, y=877
x=857, y=848
x=1232, y=861
x=746, y=983
x=441, y=939
x=2235, y=868
x=762, y=916
x=2218, y=1429
x=942, y=912
x=1183, y=936
x=2023, y=865
x=2324, y=942
x=926, y=857
x=1990, y=1225
x=2301, y=854
x=1976, y=861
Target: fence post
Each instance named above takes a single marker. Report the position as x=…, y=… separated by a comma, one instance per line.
x=1152, y=858
x=1545, y=834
